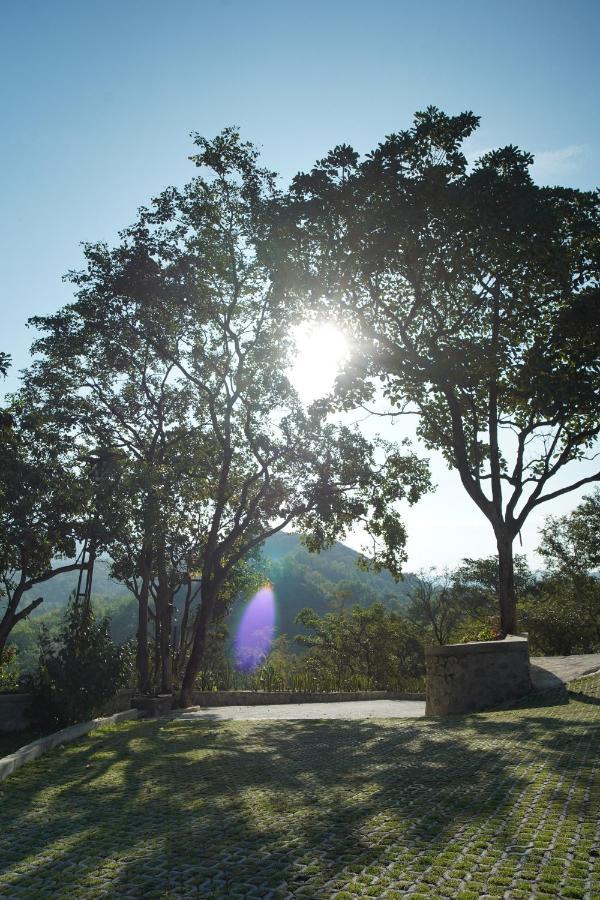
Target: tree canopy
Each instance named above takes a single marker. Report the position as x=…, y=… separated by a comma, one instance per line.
x=175, y=354
x=473, y=298
x=44, y=508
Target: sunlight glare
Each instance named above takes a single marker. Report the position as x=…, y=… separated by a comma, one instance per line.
x=321, y=349
x=256, y=630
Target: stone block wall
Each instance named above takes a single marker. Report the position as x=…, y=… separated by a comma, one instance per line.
x=15, y=708
x=464, y=678
x=14, y=711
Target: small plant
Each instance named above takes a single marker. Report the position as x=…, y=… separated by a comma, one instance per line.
x=487, y=630
x=9, y=669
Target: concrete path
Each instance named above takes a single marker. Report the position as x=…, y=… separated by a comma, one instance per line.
x=552, y=671
x=359, y=709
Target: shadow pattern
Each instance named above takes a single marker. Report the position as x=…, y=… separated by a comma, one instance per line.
x=496, y=804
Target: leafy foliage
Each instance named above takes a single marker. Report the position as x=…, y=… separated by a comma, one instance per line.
x=369, y=648
x=4, y=364
x=461, y=605
x=474, y=299
x=570, y=543
x=79, y=670
x=174, y=355
x=9, y=669
x=562, y=617
x=562, y=614
x=43, y=507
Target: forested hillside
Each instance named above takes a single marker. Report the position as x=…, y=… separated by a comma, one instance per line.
x=326, y=580
x=323, y=581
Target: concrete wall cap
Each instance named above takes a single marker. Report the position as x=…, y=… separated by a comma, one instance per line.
x=512, y=643
x=270, y=698
x=29, y=752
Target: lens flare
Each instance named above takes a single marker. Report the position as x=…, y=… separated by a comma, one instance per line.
x=256, y=630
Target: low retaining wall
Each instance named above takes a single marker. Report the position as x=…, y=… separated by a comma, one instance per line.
x=14, y=711
x=270, y=698
x=120, y=702
x=465, y=678
x=14, y=708
x=29, y=752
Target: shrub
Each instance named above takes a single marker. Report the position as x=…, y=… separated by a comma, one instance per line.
x=362, y=649
x=9, y=669
x=488, y=629
x=79, y=670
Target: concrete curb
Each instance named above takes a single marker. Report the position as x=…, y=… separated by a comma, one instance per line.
x=29, y=752
x=207, y=699
x=544, y=681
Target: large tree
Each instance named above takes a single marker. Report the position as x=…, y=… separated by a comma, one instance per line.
x=45, y=506
x=107, y=389
x=184, y=307
x=473, y=297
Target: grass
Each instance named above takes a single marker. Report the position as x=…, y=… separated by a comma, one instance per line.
x=502, y=804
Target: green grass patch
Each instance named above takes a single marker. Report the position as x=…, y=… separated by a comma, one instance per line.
x=330, y=808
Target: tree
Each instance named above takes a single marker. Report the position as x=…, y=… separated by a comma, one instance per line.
x=563, y=614
x=433, y=604
x=107, y=388
x=176, y=348
x=79, y=670
x=370, y=648
x=44, y=509
x=570, y=543
x=463, y=601
x=473, y=297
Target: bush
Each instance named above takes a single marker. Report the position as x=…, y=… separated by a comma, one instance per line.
x=79, y=670
x=563, y=616
x=9, y=670
x=362, y=649
x=488, y=629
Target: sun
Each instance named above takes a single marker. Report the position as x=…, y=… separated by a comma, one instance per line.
x=321, y=349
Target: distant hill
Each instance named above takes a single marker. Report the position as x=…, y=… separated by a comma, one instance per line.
x=57, y=591
x=324, y=581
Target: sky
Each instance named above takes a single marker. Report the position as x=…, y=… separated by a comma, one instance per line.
x=98, y=99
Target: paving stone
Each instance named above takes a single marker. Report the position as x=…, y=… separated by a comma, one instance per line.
x=502, y=804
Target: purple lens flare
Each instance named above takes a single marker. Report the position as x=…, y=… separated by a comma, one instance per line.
x=256, y=630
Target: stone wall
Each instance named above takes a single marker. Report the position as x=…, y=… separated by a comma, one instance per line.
x=465, y=678
x=14, y=711
x=15, y=708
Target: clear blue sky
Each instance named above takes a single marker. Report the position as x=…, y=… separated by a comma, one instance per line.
x=99, y=97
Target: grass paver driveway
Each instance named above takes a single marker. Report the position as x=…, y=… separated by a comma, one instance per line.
x=503, y=804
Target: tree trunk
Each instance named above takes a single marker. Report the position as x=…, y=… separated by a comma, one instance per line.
x=180, y=644
x=142, y=634
x=10, y=618
x=198, y=646
x=506, y=585
x=163, y=620
x=6, y=626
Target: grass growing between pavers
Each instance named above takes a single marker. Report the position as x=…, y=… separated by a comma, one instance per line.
x=503, y=804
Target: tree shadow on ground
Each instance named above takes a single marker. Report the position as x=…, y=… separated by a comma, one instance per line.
x=222, y=809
